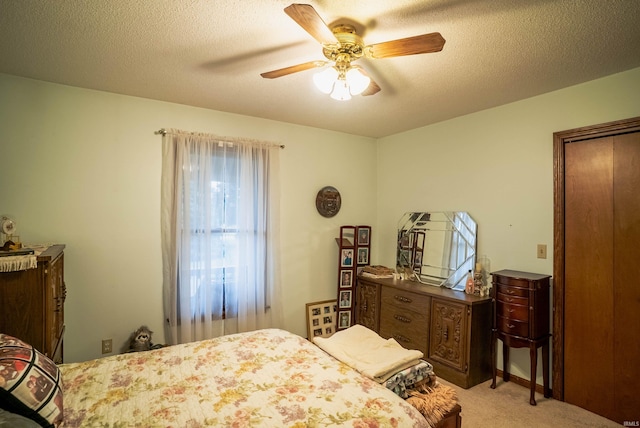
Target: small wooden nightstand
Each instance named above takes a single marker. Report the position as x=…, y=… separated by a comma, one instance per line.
x=521, y=319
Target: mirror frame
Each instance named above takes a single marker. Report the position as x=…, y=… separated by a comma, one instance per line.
x=438, y=247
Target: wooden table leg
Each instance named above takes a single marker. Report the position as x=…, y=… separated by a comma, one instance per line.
x=505, y=362
x=494, y=356
x=533, y=351
x=545, y=369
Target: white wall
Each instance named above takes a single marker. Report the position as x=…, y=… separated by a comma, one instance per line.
x=497, y=165
x=82, y=168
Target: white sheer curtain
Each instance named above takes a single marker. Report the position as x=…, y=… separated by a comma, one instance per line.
x=220, y=246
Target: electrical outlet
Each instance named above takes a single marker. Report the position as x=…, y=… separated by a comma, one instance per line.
x=542, y=251
x=107, y=347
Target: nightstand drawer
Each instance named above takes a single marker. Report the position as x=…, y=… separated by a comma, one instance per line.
x=513, y=300
x=512, y=281
x=513, y=327
x=513, y=291
x=513, y=312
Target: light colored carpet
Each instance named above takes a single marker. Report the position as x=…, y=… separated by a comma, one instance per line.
x=508, y=406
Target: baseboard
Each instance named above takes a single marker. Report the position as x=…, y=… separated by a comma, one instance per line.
x=523, y=382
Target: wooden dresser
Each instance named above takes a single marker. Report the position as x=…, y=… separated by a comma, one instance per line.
x=32, y=303
x=451, y=328
x=521, y=319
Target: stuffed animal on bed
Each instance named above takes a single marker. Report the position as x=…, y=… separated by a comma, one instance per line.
x=141, y=340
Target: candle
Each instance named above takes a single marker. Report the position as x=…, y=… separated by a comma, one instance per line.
x=478, y=267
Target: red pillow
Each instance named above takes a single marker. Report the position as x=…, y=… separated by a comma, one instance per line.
x=30, y=383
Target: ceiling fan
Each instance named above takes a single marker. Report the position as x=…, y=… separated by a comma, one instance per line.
x=342, y=46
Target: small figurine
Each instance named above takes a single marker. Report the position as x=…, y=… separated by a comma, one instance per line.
x=478, y=284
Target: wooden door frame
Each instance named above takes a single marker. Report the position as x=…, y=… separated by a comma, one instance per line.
x=560, y=139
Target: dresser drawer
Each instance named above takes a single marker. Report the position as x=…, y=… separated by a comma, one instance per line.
x=513, y=291
x=513, y=327
x=405, y=299
x=513, y=312
x=409, y=328
x=513, y=300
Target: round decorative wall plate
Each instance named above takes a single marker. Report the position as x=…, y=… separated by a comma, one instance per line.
x=328, y=201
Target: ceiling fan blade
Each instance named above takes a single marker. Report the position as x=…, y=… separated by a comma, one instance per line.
x=292, y=69
x=373, y=87
x=307, y=17
x=425, y=43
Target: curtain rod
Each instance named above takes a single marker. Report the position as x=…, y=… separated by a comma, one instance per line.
x=163, y=131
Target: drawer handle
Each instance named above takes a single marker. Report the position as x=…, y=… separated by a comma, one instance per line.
x=511, y=311
x=402, y=319
x=402, y=299
x=511, y=326
x=510, y=291
x=401, y=338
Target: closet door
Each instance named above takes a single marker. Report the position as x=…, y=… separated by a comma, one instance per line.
x=626, y=268
x=588, y=356
x=601, y=288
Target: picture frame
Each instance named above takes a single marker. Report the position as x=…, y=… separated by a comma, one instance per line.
x=344, y=319
x=321, y=318
x=346, y=278
x=417, y=259
x=403, y=241
x=345, y=299
x=347, y=236
x=346, y=257
x=363, y=256
x=364, y=235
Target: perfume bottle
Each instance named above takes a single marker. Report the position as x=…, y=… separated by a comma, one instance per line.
x=469, y=288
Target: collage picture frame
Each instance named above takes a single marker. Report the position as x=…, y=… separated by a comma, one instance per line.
x=354, y=253
x=321, y=318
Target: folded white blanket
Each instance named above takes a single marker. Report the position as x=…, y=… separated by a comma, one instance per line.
x=368, y=353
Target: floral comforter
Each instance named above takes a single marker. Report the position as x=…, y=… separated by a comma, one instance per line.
x=266, y=378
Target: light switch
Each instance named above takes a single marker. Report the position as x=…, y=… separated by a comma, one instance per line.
x=542, y=251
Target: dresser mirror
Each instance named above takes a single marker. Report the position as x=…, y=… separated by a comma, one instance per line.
x=439, y=248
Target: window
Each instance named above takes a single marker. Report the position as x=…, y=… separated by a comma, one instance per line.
x=220, y=231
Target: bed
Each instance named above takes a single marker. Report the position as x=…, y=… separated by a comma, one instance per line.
x=265, y=378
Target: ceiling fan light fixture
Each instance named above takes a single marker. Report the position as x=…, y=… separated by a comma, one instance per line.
x=342, y=45
x=357, y=81
x=325, y=79
x=341, y=85
x=341, y=91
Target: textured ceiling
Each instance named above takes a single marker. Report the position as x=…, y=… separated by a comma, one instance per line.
x=210, y=53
